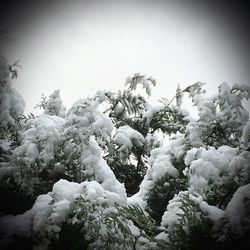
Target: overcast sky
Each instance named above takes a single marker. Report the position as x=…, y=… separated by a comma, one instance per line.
x=83, y=46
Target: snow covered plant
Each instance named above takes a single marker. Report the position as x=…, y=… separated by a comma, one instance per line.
x=114, y=172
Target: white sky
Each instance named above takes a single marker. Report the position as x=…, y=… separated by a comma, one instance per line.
x=81, y=47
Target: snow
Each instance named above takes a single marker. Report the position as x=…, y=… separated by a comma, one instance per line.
x=209, y=167
x=240, y=165
x=102, y=172
x=59, y=211
x=243, y=87
x=87, y=127
x=129, y=78
x=224, y=109
x=50, y=210
x=40, y=213
x=212, y=212
x=127, y=137
x=160, y=164
x=15, y=225
x=40, y=140
x=83, y=120
x=231, y=110
x=202, y=171
x=86, y=113
x=237, y=210
x=12, y=104
x=215, y=157
x=32, y=152
x=245, y=138
x=94, y=166
x=227, y=152
x=151, y=110
x=54, y=105
x=142, y=79
x=78, y=140
x=5, y=145
x=178, y=146
x=140, y=198
x=94, y=191
x=101, y=95
x=206, y=109
x=64, y=189
x=190, y=156
x=134, y=229
x=173, y=213
x=194, y=132
x=119, y=108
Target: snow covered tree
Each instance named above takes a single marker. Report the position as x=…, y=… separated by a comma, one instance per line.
x=11, y=112
x=205, y=168
x=114, y=172
x=12, y=103
x=221, y=117
x=137, y=124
